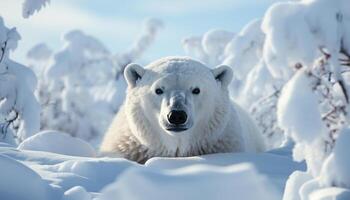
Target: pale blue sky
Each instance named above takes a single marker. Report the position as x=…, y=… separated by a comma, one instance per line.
x=118, y=22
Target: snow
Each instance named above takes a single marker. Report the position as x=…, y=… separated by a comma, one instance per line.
x=32, y=6
x=20, y=182
x=290, y=72
x=305, y=40
x=331, y=193
x=210, y=47
x=76, y=193
x=297, y=30
x=17, y=85
x=335, y=170
x=82, y=77
x=191, y=183
x=57, y=142
x=39, y=52
x=244, y=51
x=342, y=160
x=294, y=183
x=74, y=177
x=214, y=43
x=151, y=28
x=298, y=111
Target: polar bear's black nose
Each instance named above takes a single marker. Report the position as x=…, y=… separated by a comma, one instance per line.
x=177, y=117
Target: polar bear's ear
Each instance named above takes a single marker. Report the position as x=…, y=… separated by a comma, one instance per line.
x=223, y=74
x=132, y=73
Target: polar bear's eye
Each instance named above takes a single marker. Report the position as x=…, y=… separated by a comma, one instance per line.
x=196, y=91
x=159, y=91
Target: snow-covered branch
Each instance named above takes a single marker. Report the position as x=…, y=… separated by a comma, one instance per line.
x=18, y=106
x=209, y=48
x=151, y=28
x=32, y=6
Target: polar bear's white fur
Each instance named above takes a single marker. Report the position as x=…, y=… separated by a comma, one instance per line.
x=178, y=107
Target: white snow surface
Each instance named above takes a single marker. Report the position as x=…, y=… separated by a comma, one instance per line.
x=45, y=175
x=57, y=142
x=190, y=182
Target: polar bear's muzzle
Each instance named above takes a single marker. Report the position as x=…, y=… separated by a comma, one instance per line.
x=177, y=121
x=176, y=118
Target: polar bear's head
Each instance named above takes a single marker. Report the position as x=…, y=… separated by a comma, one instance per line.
x=174, y=96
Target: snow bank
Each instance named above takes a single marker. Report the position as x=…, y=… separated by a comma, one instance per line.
x=76, y=193
x=209, y=177
x=58, y=142
x=294, y=183
x=342, y=159
x=62, y=173
x=278, y=169
x=336, y=168
x=20, y=182
x=331, y=193
x=233, y=182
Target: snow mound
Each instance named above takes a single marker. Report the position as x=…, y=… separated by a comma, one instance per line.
x=92, y=174
x=20, y=182
x=191, y=183
x=342, y=159
x=76, y=193
x=278, y=170
x=58, y=142
x=71, y=178
x=331, y=193
x=335, y=170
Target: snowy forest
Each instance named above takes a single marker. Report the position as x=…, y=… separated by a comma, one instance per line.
x=291, y=73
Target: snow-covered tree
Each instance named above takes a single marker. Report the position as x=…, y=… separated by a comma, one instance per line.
x=291, y=73
x=19, y=109
x=307, y=44
x=253, y=86
x=82, y=86
x=209, y=48
x=32, y=6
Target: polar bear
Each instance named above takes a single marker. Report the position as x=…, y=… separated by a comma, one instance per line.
x=178, y=107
